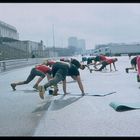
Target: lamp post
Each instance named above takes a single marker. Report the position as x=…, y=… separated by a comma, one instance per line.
x=53, y=43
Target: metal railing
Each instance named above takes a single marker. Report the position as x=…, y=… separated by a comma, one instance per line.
x=18, y=63
x=6, y=65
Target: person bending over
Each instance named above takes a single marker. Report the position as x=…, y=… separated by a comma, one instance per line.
x=107, y=62
x=59, y=72
x=133, y=65
x=39, y=70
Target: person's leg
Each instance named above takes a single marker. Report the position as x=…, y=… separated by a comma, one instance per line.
x=30, y=77
x=54, y=81
x=13, y=85
x=131, y=68
x=42, y=75
x=103, y=66
x=135, y=67
x=38, y=81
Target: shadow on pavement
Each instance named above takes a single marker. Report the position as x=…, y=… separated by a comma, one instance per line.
x=61, y=103
x=42, y=107
x=29, y=90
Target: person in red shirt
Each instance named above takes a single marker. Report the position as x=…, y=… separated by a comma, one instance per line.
x=106, y=62
x=99, y=58
x=39, y=70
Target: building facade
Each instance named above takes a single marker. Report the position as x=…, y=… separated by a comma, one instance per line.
x=117, y=49
x=81, y=46
x=9, y=31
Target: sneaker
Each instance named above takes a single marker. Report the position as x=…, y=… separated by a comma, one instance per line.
x=13, y=85
x=126, y=70
x=138, y=78
x=41, y=91
x=55, y=91
x=83, y=94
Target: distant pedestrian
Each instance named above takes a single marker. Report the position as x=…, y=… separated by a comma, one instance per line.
x=39, y=70
x=133, y=64
x=33, y=56
x=60, y=70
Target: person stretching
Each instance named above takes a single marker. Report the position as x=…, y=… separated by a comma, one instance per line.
x=133, y=65
x=39, y=70
x=59, y=71
x=106, y=62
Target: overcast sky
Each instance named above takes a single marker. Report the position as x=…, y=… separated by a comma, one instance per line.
x=97, y=23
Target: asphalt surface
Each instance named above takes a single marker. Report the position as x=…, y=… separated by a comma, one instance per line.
x=23, y=113
x=20, y=110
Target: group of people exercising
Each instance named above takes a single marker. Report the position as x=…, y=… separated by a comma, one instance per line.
x=57, y=71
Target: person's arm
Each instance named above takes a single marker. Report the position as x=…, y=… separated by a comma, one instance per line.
x=78, y=79
x=114, y=66
x=95, y=64
x=91, y=64
x=88, y=68
x=111, y=67
x=64, y=86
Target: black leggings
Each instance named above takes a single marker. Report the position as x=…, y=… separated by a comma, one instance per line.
x=104, y=64
x=32, y=75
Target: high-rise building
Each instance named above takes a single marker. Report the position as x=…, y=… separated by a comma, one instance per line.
x=72, y=42
x=81, y=45
x=77, y=46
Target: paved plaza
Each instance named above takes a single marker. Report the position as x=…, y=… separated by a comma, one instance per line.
x=23, y=113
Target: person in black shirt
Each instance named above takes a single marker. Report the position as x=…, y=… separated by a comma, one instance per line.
x=77, y=64
x=90, y=59
x=59, y=72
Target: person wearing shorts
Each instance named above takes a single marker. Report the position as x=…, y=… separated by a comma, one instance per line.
x=59, y=72
x=133, y=64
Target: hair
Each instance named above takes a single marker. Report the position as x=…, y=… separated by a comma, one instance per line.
x=76, y=63
x=45, y=62
x=115, y=59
